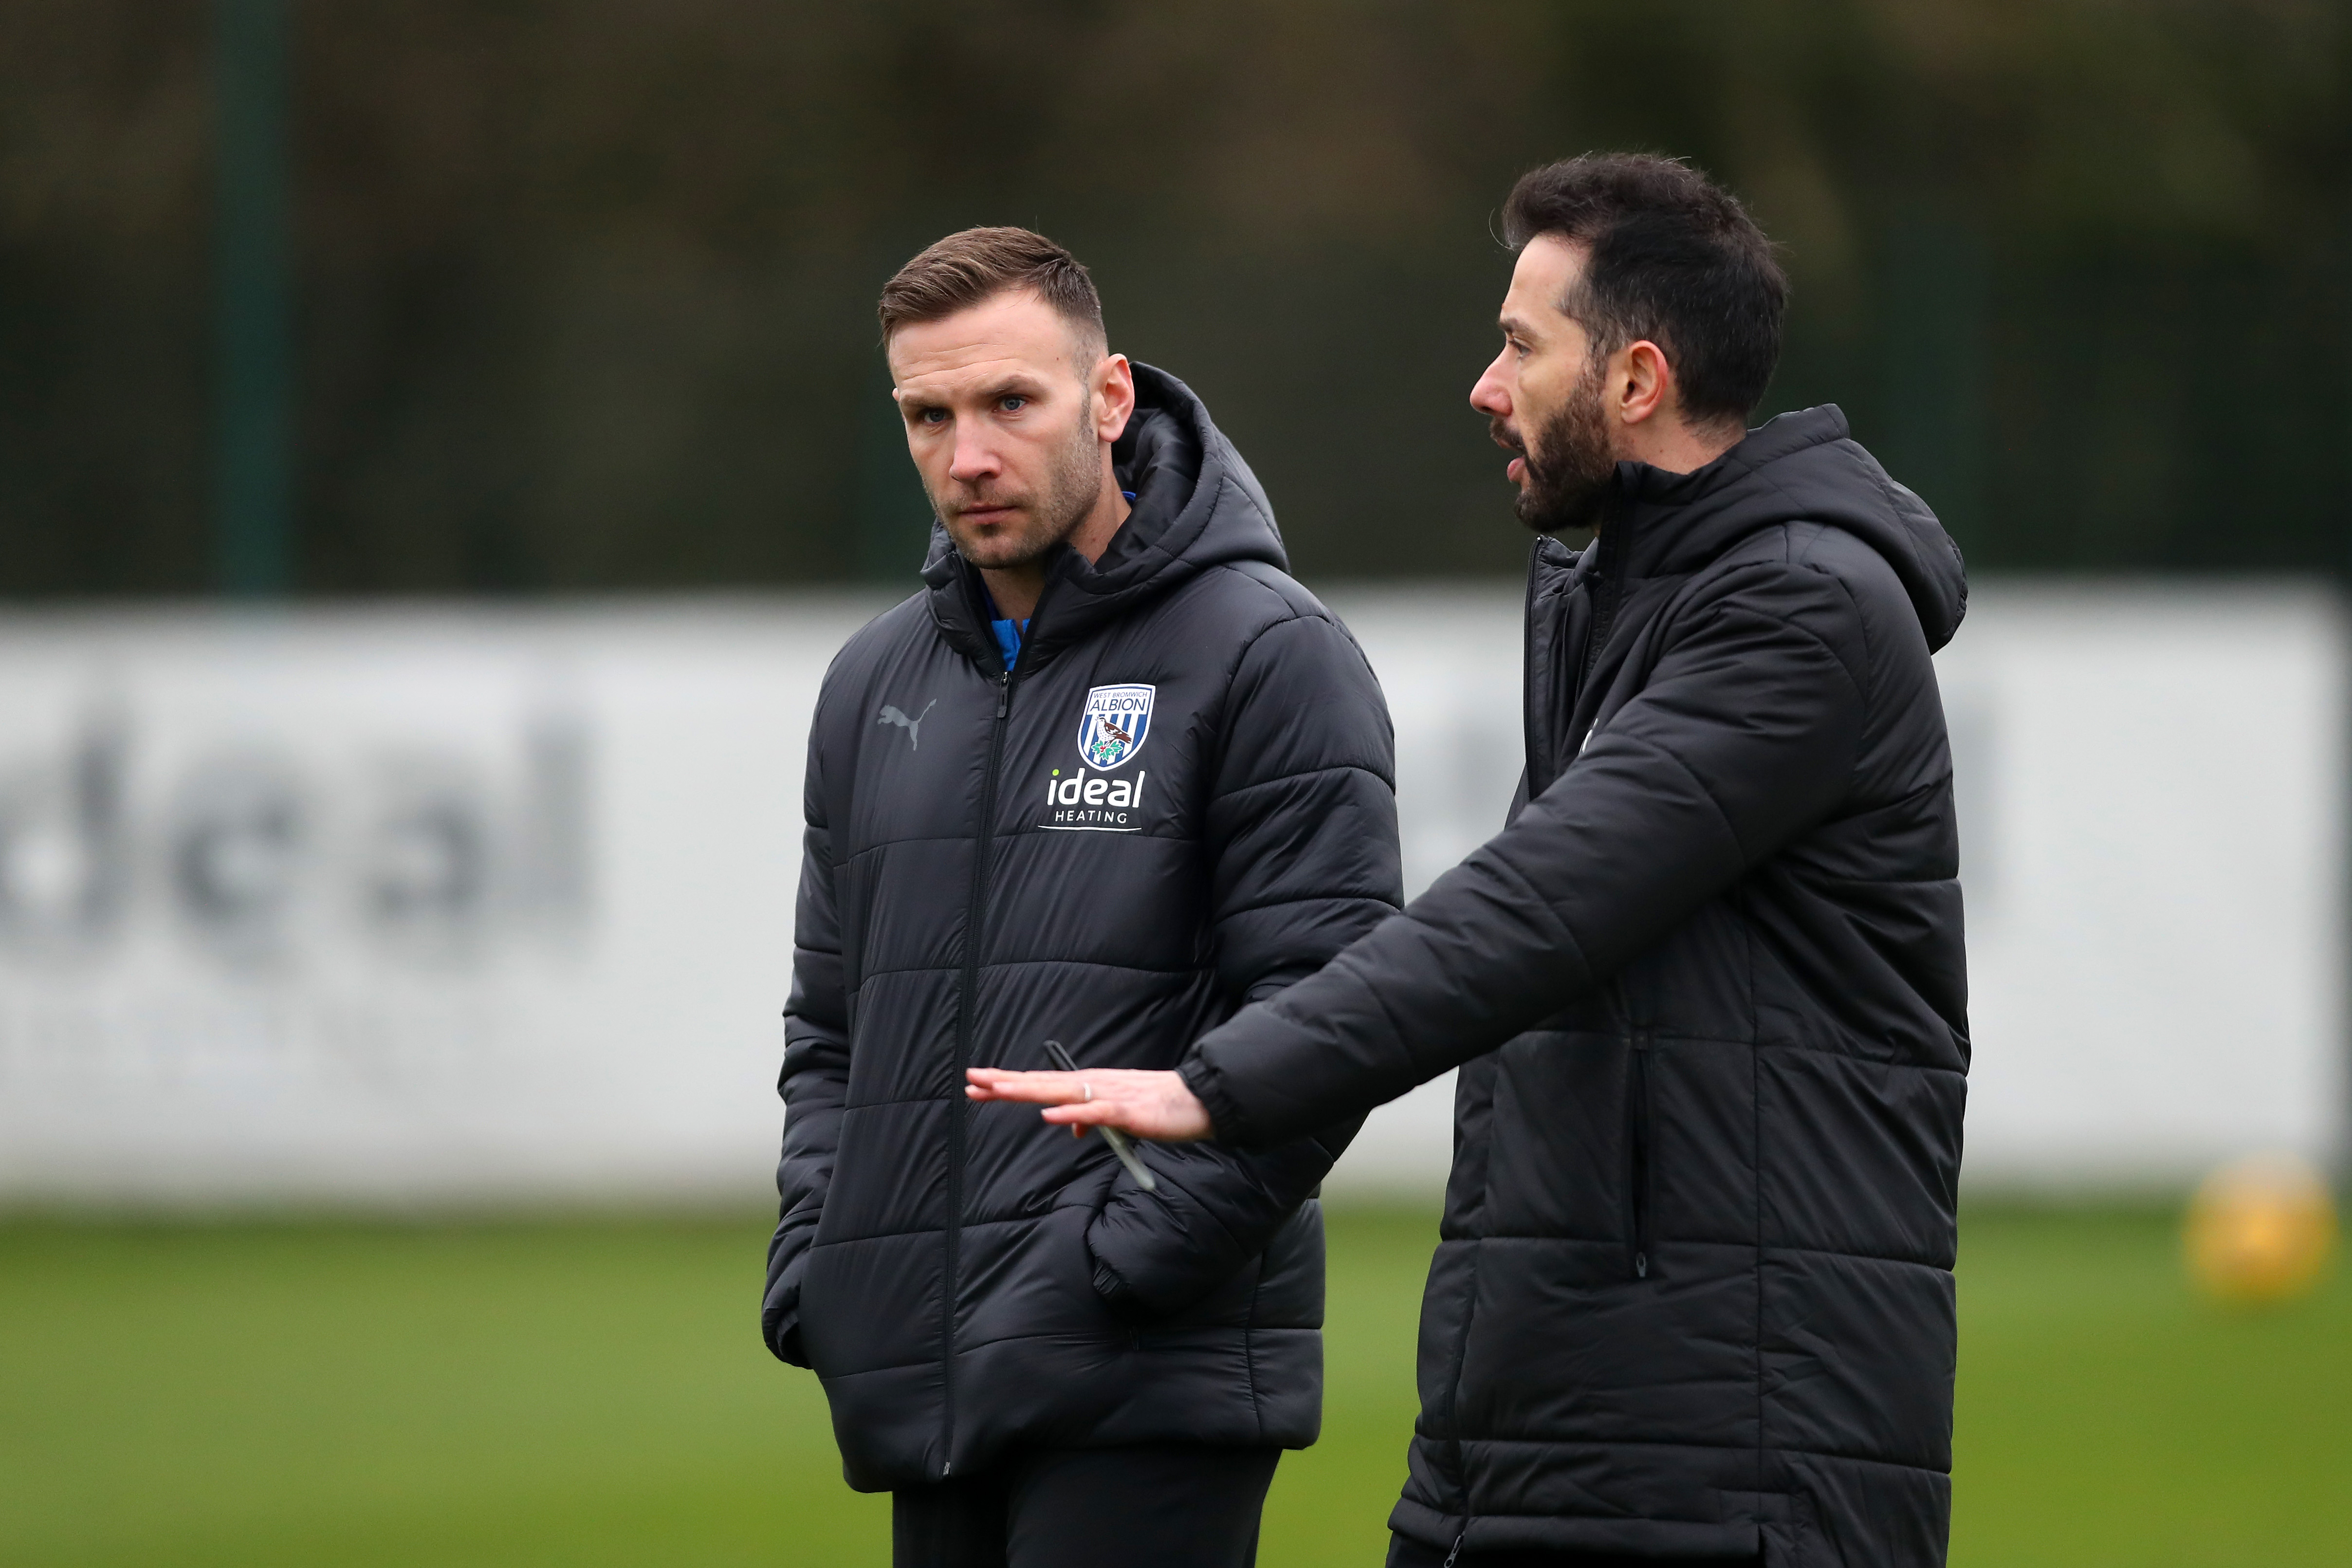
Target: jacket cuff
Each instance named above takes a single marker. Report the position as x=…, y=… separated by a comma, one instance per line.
x=782, y=1332
x=1115, y=1291
x=1208, y=1086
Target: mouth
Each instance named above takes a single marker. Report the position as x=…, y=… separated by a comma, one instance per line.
x=1516, y=470
x=985, y=515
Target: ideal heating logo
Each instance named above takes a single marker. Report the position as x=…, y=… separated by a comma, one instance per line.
x=1112, y=727
x=1104, y=806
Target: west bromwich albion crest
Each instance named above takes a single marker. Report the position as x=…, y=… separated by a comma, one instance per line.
x=1112, y=728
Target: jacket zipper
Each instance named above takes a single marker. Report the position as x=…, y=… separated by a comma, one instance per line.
x=1531, y=694
x=960, y=1111
x=1615, y=549
x=1640, y=1154
x=1531, y=688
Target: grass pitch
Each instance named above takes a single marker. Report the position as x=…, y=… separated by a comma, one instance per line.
x=591, y=1392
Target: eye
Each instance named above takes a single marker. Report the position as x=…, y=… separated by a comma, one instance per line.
x=1012, y=403
x=932, y=417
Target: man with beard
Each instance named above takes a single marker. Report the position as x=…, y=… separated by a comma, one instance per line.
x=1692, y=1299
x=1109, y=776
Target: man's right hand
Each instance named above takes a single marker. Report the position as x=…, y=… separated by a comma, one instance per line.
x=1154, y=1105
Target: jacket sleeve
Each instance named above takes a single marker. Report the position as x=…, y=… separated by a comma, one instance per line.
x=1745, y=735
x=816, y=1079
x=1302, y=841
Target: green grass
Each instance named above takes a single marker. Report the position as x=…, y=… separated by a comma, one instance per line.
x=592, y=1392
x=2108, y=1416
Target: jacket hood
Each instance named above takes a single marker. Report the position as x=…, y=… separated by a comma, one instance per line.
x=1801, y=467
x=1196, y=506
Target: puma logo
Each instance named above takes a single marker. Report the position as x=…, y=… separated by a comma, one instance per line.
x=914, y=726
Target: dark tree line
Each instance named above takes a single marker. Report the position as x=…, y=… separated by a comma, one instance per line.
x=584, y=290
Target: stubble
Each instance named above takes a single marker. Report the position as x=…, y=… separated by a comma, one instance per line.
x=1071, y=488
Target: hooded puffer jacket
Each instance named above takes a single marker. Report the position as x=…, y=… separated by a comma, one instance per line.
x=1692, y=1295
x=1178, y=801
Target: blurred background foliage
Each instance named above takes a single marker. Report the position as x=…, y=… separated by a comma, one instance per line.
x=583, y=291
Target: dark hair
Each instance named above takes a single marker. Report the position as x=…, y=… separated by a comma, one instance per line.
x=1671, y=257
x=964, y=269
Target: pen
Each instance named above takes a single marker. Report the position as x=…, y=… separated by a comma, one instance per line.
x=1120, y=1145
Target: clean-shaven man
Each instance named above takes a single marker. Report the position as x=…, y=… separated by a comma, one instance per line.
x=1693, y=1300
x=1108, y=777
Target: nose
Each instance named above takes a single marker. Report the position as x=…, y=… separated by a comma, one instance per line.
x=974, y=458
x=1492, y=394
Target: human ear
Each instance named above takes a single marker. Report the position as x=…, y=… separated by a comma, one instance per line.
x=1643, y=379
x=1114, y=389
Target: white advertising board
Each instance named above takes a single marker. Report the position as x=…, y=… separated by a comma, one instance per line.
x=2152, y=789
x=400, y=906
x=486, y=905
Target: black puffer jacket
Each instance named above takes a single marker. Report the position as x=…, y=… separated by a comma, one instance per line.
x=1693, y=1289
x=964, y=1278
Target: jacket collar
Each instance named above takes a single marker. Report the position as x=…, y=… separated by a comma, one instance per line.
x=1665, y=521
x=1801, y=467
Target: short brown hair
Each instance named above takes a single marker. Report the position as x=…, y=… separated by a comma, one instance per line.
x=964, y=269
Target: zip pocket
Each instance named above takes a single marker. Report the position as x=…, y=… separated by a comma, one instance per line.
x=1641, y=1158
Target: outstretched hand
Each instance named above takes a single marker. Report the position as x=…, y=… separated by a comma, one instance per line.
x=1154, y=1105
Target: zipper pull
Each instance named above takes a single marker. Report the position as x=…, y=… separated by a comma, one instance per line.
x=1004, y=693
x=1456, y=1552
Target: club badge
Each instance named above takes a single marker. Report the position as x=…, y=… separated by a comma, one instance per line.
x=1113, y=727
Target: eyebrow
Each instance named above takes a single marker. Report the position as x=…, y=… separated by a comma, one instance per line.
x=1015, y=385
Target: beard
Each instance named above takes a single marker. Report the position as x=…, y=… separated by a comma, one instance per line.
x=1570, y=471
x=1048, y=515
